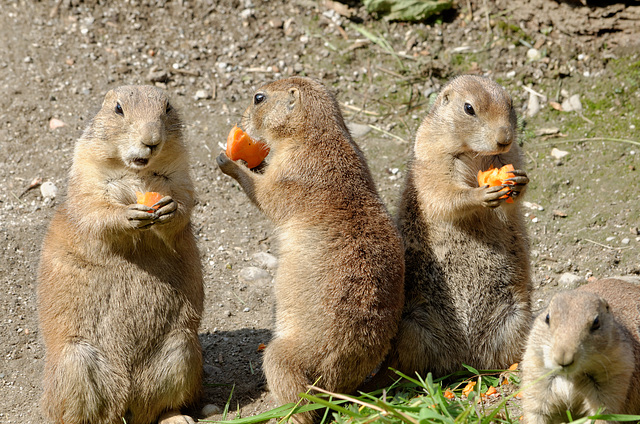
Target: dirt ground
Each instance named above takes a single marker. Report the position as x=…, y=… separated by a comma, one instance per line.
x=59, y=58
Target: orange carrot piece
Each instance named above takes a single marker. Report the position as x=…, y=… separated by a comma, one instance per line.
x=241, y=146
x=149, y=198
x=496, y=176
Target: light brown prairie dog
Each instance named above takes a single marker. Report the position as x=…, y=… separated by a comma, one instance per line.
x=467, y=260
x=590, y=339
x=120, y=291
x=339, y=281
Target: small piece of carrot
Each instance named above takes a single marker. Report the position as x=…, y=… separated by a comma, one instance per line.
x=261, y=347
x=449, y=394
x=497, y=176
x=241, y=146
x=468, y=388
x=149, y=198
x=490, y=391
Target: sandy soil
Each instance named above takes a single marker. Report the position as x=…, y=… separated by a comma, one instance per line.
x=58, y=59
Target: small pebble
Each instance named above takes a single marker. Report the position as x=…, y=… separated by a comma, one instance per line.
x=534, y=54
x=265, y=259
x=625, y=241
x=48, y=190
x=246, y=310
x=558, y=154
x=254, y=274
x=210, y=409
x=202, y=94
x=533, y=105
x=570, y=281
x=611, y=238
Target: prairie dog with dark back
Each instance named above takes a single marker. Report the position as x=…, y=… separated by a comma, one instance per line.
x=467, y=259
x=120, y=291
x=339, y=281
x=590, y=339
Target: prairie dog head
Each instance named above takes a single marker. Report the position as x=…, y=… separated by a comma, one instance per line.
x=575, y=331
x=133, y=126
x=293, y=109
x=471, y=114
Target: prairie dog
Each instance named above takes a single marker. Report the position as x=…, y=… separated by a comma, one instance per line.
x=120, y=291
x=339, y=282
x=467, y=262
x=590, y=339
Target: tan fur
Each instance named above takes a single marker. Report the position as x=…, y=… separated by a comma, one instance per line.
x=592, y=366
x=467, y=262
x=339, y=282
x=120, y=289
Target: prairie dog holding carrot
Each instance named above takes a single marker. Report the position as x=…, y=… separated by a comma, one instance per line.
x=589, y=338
x=466, y=250
x=120, y=291
x=339, y=281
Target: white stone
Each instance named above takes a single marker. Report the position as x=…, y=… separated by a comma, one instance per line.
x=570, y=281
x=534, y=54
x=254, y=274
x=265, y=259
x=558, y=154
x=210, y=409
x=48, y=190
x=533, y=105
x=358, y=130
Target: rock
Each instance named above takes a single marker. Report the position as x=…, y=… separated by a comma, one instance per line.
x=56, y=123
x=202, y=94
x=254, y=274
x=533, y=105
x=210, y=409
x=625, y=241
x=48, y=190
x=558, y=154
x=570, y=281
x=265, y=259
x=358, y=130
x=534, y=55
x=572, y=104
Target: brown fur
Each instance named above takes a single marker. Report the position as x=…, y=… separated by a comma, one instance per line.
x=593, y=366
x=467, y=262
x=120, y=289
x=339, y=283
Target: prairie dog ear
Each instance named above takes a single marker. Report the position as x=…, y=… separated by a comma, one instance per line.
x=294, y=97
x=444, y=97
x=108, y=98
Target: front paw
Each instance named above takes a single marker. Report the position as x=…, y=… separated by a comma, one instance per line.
x=492, y=197
x=520, y=180
x=140, y=217
x=165, y=210
x=229, y=167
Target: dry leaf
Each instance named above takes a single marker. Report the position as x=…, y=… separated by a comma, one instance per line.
x=556, y=106
x=513, y=367
x=261, y=347
x=490, y=391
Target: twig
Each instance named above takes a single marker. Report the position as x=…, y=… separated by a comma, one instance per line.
x=607, y=247
x=186, y=72
x=532, y=91
x=373, y=127
x=368, y=405
x=357, y=109
x=580, y=140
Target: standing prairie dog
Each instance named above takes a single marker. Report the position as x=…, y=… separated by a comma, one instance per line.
x=339, y=281
x=120, y=291
x=590, y=339
x=467, y=263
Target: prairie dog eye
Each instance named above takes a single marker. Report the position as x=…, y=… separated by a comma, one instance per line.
x=546, y=319
x=119, y=110
x=169, y=108
x=259, y=98
x=468, y=109
x=596, y=324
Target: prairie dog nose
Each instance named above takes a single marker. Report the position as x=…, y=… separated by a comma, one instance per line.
x=504, y=137
x=151, y=134
x=563, y=357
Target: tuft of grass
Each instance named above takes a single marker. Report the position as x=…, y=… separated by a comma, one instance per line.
x=421, y=400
